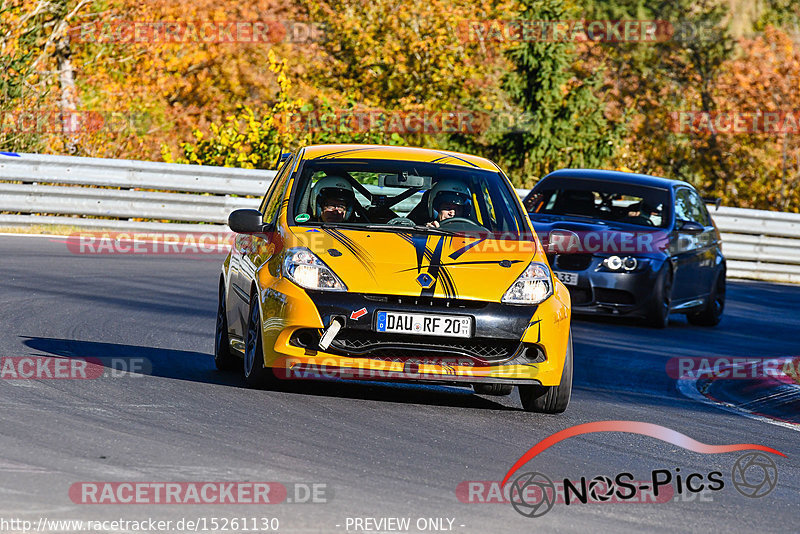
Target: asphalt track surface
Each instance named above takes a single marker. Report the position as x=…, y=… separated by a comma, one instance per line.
x=383, y=450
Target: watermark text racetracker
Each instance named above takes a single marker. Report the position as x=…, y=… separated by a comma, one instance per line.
x=376, y=368
x=204, y=493
x=58, y=368
x=733, y=368
x=199, y=31
x=157, y=243
x=202, y=243
x=536, y=31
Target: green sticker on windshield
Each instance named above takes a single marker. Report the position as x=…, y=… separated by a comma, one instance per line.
x=303, y=217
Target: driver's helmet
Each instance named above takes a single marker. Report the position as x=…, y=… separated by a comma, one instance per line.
x=332, y=187
x=449, y=190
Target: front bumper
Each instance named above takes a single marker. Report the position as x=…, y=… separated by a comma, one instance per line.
x=511, y=344
x=601, y=292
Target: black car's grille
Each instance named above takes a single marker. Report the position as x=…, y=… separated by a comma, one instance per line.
x=580, y=295
x=376, y=344
x=573, y=262
x=613, y=296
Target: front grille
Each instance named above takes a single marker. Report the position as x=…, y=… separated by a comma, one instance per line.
x=613, y=296
x=573, y=262
x=580, y=295
x=377, y=344
x=429, y=302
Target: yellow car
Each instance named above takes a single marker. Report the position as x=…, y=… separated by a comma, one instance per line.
x=389, y=263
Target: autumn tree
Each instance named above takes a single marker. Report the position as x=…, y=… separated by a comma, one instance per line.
x=568, y=126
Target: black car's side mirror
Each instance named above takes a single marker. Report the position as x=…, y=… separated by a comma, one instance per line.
x=689, y=227
x=246, y=221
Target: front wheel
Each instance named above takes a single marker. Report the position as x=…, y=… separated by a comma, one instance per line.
x=658, y=309
x=255, y=374
x=712, y=312
x=223, y=358
x=550, y=399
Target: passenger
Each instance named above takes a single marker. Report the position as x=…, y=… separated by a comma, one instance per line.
x=448, y=199
x=332, y=200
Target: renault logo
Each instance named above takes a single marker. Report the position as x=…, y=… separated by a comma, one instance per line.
x=425, y=280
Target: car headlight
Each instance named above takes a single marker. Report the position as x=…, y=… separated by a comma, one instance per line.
x=624, y=264
x=305, y=269
x=533, y=286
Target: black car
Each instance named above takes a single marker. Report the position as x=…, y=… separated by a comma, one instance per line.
x=630, y=244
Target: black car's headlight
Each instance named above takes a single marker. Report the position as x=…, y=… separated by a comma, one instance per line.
x=623, y=264
x=533, y=286
x=305, y=269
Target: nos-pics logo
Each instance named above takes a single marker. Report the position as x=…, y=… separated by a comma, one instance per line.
x=533, y=494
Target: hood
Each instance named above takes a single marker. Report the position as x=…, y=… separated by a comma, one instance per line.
x=584, y=236
x=414, y=264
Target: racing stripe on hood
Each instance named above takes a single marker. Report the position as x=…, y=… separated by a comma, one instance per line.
x=361, y=255
x=435, y=268
x=457, y=254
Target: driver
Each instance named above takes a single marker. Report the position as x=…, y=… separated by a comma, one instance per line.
x=332, y=199
x=642, y=212
x=448, y=198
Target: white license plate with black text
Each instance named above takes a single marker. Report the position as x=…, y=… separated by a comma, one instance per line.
x=424, y=323
x=570, y=279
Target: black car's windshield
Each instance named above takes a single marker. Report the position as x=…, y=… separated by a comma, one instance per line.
x=406, y=196
x=596, y=199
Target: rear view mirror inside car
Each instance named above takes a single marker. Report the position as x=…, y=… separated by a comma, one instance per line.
x=404, y=180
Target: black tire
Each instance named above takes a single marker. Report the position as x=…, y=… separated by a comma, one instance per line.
x=493, y=389
x=224, y=359
x=658, y=309
x=550, y=399
x=255, y=374
x=711, y=313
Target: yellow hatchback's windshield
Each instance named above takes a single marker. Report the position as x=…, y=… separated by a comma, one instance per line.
x=398, y=194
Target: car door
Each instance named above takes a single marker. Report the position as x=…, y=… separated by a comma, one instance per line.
x=242, y=266
x=706, y=242
x=690, y=251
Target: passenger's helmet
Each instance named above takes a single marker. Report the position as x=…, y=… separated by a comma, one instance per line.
x=449, y=190
x=332, y=187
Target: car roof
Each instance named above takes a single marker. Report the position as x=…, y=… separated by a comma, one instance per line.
x=382, y=152
x=617, y=176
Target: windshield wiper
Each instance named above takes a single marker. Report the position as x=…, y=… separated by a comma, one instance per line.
x=416, y=228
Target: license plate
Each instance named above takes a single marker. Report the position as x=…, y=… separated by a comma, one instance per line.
x=568, y=278
x=424, y=324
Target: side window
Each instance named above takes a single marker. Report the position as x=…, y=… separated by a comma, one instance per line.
x=690, y=207
x=682, y=205
x=272, y=200
x=699, y=212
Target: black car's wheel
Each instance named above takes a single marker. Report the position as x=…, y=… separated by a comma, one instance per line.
x=711, y=313
x=493, y=389
x=550, y=399
x=658, y=309
x=223, y=358
x=255, y=374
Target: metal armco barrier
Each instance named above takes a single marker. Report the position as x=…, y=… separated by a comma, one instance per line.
x=40, y=189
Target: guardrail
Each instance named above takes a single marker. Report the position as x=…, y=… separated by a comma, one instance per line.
x=127, y=195
x=760, y=245
x=136, y=195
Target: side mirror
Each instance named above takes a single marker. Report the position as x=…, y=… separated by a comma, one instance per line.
x=246, y=221
x=689, y=227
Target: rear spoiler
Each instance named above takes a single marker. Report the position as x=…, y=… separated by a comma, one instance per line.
x=716, y=201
